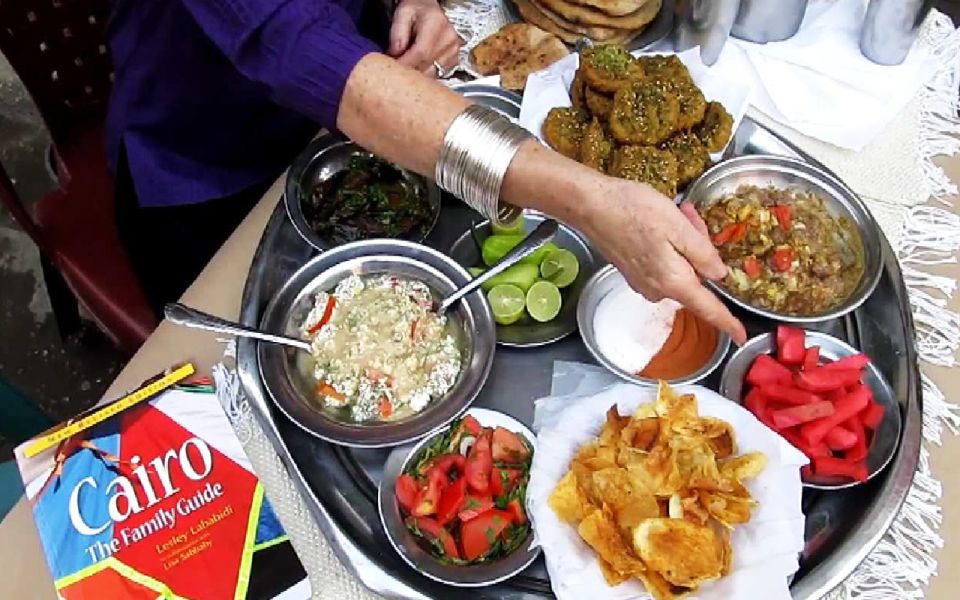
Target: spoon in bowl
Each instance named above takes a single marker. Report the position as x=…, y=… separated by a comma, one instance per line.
x=181, y=314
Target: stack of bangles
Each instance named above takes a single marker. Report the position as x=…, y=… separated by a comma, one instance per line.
x=477, y=150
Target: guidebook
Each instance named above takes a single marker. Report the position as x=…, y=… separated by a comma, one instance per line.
x=152, y=496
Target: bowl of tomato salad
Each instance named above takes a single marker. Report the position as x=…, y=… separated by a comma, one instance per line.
x=454, y=505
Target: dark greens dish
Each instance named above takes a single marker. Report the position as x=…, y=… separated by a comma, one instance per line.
x=371, y=198
x=464, y=495
x=785, y=251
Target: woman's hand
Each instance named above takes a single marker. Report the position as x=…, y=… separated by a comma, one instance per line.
x=662, y=251
x=421, y=35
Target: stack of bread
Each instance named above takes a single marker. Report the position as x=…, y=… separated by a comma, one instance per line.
x=603, y=21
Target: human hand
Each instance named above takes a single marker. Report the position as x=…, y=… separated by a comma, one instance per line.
x=662, y=251
x=421, y=35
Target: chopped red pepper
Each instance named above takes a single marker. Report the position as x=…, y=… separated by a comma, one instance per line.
x=783, y=259
x=844, y=409
x=791, y=345
x=413, y=329
x=820, y=381
x=854, y=362
x=812, y=358
x=788, y=395
x=872, y=416
x=731, y=233
x=327, y=313
x=840, y=438
x=751, y=266
x=386, y=407
x=765, y=369
x=782, y=213
x=804, y=413
x=828, y=466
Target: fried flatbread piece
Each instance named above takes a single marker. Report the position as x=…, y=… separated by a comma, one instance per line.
x=563, y=129
x=715, y=129
x=614, y=8
x=691, y=102
x=515, y=51
x=644, y=113
x=684, y=553
x=607, y=69
x=649, y=165
x=594, y=32
x=535, y=16
x=582, y=15
x=600, y=105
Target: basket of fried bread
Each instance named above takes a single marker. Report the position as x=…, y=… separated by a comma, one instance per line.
x=638, y=493
x=649, y=118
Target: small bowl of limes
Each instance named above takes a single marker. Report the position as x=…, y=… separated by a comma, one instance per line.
x=534, y=302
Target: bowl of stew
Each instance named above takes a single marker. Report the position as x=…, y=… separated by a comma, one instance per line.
x=799, y=245
x=337, y=193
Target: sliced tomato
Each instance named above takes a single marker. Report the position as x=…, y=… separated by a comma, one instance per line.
x=782, y=214
x=436, y=534
x=503, y=480
x=804, y=413
x=386, y=407
x=751, y=266
x=467, y=426
x=428, y=500
x=474, y=506
x=327, y=390
x=783, y=259
x=407, y=489
x=731, y=233
x=480, y=534
x=519, y=515
x=508, y=447
x=479, y=464
x=445, y=463
x=451, y=501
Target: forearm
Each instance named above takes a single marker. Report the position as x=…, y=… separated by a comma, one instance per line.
x=403, y=116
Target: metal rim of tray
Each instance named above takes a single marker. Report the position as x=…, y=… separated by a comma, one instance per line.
x=387, y=574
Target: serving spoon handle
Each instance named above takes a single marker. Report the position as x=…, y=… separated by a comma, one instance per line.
x=530, y=244
x=180, y=314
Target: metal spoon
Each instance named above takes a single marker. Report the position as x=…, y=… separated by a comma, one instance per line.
x=530, y=244
x=180, y=314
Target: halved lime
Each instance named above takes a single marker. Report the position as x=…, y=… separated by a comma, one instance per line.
x=514, y=227
x=560, y=268
x=543, y=301
x=507, y=303
x=520, y=275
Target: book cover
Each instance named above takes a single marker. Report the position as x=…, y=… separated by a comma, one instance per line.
x=153, y=497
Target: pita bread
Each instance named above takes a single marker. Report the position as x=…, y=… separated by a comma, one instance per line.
x=598, y=34
x=582, y=15
x=614, y=8
x=534, y=15
x=515, y=51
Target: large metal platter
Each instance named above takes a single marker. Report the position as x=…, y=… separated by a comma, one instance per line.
x=340, y=484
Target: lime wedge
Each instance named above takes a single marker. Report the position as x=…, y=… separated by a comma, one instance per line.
x=507, y=303
x=515, y=227
x=560, y=268
x=476, y=271
x=543, y=301
x=520, y=275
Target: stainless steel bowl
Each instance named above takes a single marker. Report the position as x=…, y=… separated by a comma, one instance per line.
x=287, y=373
x=790, y=173
x=528, y=333
x=885, y=440
x=326, y=156
x=406, y=544
x=602, y=283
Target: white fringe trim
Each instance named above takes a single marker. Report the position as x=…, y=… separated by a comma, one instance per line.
x=939, y=124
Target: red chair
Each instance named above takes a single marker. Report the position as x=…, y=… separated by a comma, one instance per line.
x=58, y=49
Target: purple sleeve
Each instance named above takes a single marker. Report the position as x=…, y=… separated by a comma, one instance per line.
x=303, y=50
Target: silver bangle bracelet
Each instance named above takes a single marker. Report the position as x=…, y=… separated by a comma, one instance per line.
x=477, y=150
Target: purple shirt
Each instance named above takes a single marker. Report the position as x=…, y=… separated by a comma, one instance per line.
x=213, y=96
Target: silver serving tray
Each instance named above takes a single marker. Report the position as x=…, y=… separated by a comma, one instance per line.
x=339, y=485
